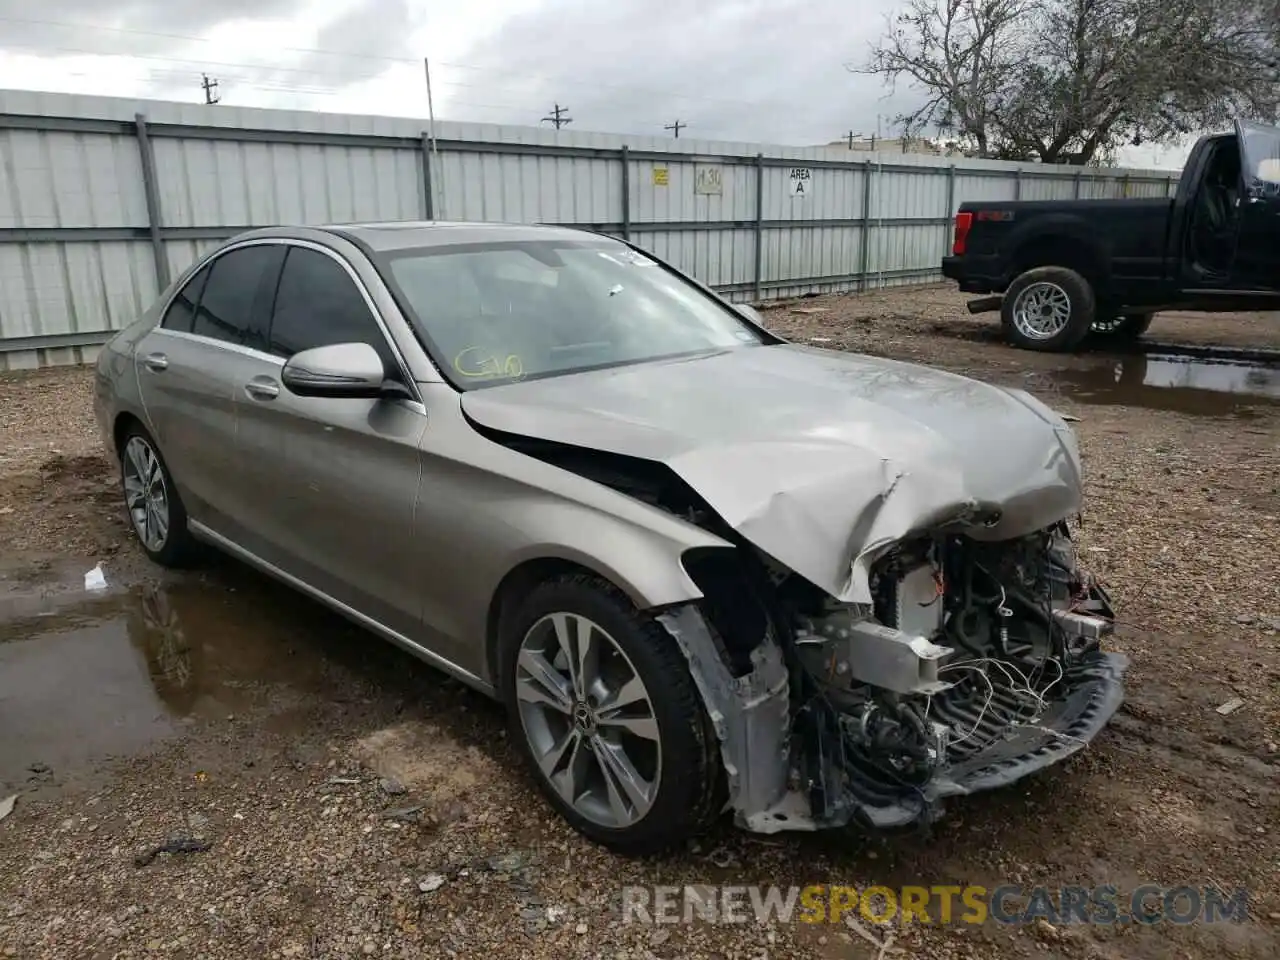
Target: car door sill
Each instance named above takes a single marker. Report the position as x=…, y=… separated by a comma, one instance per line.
x=399, y=639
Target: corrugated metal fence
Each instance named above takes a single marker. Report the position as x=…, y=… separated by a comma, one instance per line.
x=102, y=201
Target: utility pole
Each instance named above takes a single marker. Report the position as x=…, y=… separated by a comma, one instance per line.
x=675, y=128
x=210, y=89
x=852, y=136
x=436, y=176
x=556, y=117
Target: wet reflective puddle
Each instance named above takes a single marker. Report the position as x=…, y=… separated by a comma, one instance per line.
x=88, y=677
x=1180, y=384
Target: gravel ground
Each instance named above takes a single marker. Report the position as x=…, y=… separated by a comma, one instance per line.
x=343, y=800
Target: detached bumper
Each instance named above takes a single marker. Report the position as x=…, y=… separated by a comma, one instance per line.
x=1087, y=697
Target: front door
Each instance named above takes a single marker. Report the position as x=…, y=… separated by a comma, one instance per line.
x=331, y=482
x=1257, y=264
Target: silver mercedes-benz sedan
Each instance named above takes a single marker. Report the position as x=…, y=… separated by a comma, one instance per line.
x=706, y=570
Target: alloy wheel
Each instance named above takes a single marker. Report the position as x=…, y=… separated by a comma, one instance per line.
x=1108, y=324
x=146, y=493
x=588, y=719
x=1041, y=311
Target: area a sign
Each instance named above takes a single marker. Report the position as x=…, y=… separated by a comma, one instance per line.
x=801, y=181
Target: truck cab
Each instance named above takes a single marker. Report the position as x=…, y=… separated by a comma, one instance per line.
x=1058, y=271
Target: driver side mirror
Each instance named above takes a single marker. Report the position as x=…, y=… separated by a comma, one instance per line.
x=338, y=370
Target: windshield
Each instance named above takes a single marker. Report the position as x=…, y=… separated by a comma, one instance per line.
x=495, y=313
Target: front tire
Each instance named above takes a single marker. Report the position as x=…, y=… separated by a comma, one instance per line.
x=1122, y=329
x=155, y=509
x=1048, y=309
x=605, y=712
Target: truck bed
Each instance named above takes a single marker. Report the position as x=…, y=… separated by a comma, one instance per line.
x=1126, y=238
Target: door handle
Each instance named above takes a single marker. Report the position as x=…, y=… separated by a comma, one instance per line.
x=262, y=389
x=156, y=362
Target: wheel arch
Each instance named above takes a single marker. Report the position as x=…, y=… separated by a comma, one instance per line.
x=1062, y=248
x=120, y=428
x=549, y=564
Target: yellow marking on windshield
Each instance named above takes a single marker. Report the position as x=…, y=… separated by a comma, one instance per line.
x=469, y=365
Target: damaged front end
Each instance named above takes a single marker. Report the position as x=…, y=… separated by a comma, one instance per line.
x=896, y=615
x=976, y=664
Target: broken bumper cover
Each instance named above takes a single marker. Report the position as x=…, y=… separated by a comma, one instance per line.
x=751, y=716
x=1093, y=692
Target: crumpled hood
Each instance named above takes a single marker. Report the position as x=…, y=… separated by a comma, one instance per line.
x=822, y=459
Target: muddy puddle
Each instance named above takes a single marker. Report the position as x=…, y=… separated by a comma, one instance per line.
x=86, y=677
x=1198, y=386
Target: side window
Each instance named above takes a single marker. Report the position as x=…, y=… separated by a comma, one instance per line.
x=318, y=305
x=236, y=283
x=182, y=310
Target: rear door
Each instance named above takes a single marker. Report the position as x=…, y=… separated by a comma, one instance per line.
x=187, y=367
x=330, y=482
x=1257, y=263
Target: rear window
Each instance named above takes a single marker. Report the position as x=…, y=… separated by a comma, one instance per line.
x=182, y=310
x=227, y=306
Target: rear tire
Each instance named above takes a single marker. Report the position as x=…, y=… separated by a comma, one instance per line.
x=1048, y=309
x=156, y=513
x=638, y=779
x=1121, y=329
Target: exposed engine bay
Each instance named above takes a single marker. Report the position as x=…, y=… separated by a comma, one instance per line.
x=975, y=656
x=977, y=662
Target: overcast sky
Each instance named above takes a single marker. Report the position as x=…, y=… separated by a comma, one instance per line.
x=770, y=71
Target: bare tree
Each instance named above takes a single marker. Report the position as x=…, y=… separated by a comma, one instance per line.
x=1068, y=81
x=961, y=54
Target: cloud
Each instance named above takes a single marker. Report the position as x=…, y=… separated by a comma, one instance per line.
x=160, y=48
x=748, y=70
x=140, y=24
x=731, y=69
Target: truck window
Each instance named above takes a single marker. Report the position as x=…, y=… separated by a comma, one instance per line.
x=1214, y=219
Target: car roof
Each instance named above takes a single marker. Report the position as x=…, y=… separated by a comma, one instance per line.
x=394, y=235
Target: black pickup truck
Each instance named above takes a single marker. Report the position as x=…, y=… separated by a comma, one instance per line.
x=1063, y=269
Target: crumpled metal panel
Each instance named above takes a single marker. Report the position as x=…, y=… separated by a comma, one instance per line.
x=819, y=458
x=751, y=715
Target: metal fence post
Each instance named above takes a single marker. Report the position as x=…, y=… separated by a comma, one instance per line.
x=1124, y=186
x=1169, y=187
x=759, y=277
x=1017, y=184
x=428, y=193
x=626, y=194
x=151, y=192
x=951, y=192
x=864, y=257
x=1076, y=190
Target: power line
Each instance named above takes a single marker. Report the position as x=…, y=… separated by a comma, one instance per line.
x=210, y=89
x=193, y=39
x=133, y=31
x=183, y=76
x=272, y=71
x=556, y=118
x=675, y=128
x=630, y=88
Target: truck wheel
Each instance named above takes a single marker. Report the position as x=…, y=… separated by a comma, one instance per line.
x=1129, y=326
x=1049, y=309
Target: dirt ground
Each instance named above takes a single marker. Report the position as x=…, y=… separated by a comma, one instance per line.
x=340, y=799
